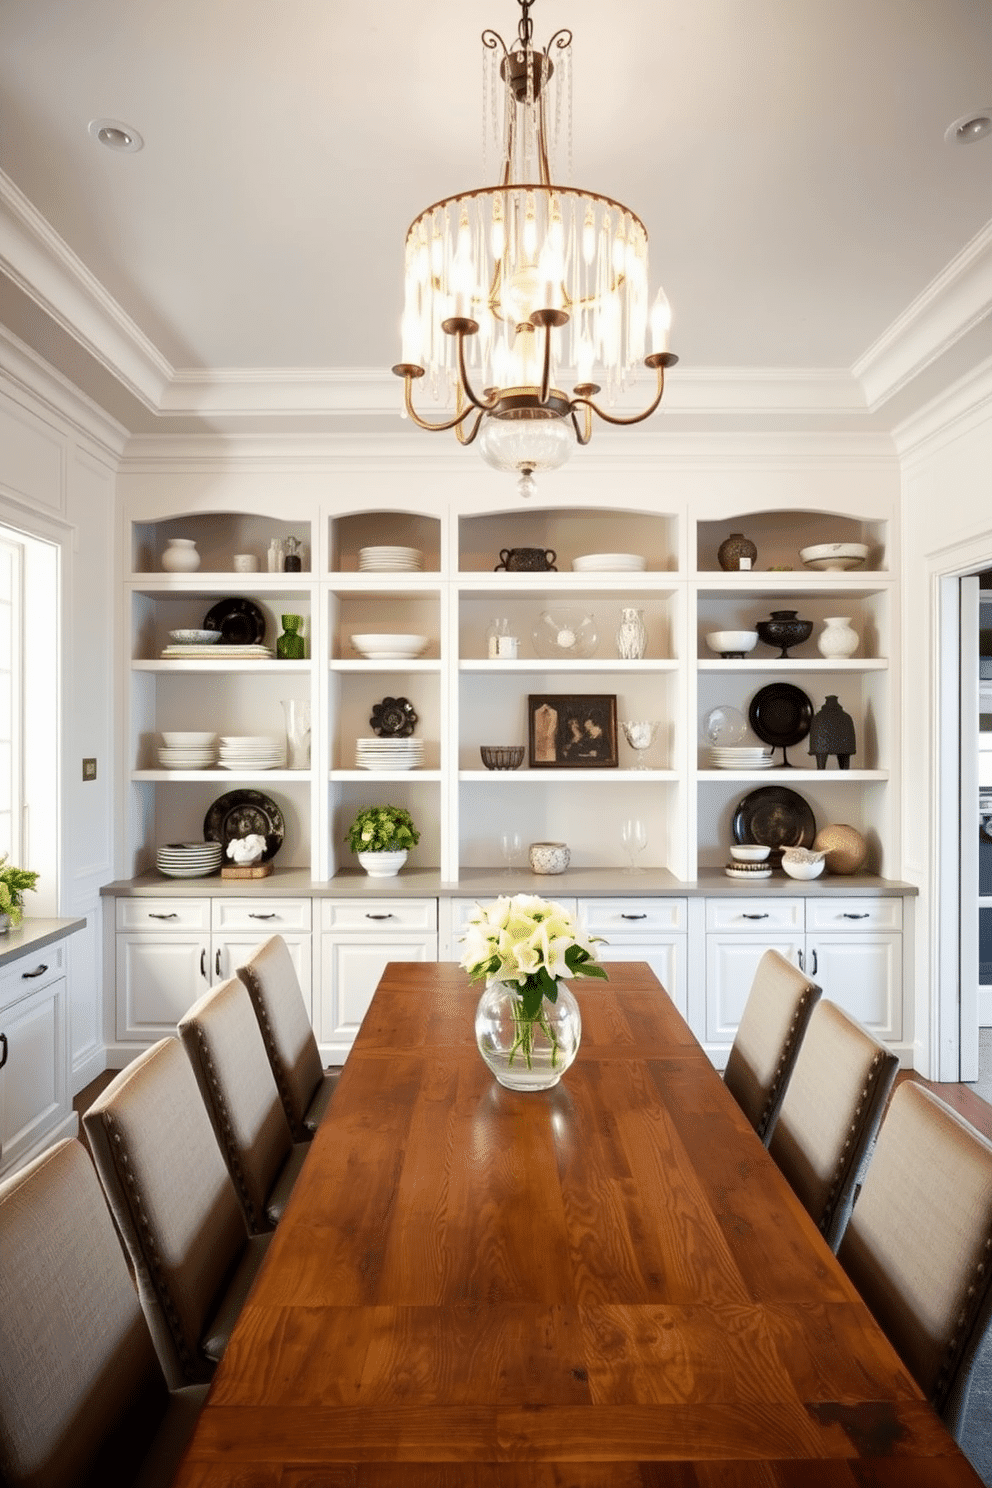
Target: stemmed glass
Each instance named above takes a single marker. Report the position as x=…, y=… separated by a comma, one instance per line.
x=634, y=836
x=640, y=735
x=512, y=845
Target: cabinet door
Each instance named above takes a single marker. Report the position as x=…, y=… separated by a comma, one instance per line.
x=666, y=956
x=731, y=962
x=351, y=970
x=33, y=1094
x=231, y=951
x=863, y=975
x=158, y=980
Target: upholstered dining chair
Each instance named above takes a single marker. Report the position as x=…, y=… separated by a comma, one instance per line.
x=224, y=1044
x=176, y=1209
x=82, y=1395
x=918, y=1245
x=830, y=1114
x=768, y=1038
x=304, y=1085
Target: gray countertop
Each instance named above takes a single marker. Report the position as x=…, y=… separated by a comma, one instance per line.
x=32, y=934
x=416, y=883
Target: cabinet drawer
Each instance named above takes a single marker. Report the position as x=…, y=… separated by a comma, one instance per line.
x=163, y=914
x=854, y=914
x=31, y=972
x=632, y=916
x=759, y=915
x=382, y=916
x=262, y=916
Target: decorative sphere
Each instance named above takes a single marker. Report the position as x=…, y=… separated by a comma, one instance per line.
x=844, y=846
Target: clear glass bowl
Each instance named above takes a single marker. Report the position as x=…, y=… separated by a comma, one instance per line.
x=561, y=634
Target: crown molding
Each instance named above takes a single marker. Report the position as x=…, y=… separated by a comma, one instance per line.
x=961, y=407
x=23, y=368
x=951, y=305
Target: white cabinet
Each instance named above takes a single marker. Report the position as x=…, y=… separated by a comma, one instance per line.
x=358, y=938
x=858, y=967
x=170, y=951
x=35, y=1107
x=650, y=929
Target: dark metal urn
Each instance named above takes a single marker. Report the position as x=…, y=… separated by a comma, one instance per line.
x=832, y=732
x=784, y=630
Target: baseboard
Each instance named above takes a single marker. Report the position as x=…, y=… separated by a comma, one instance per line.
x=87, y=1069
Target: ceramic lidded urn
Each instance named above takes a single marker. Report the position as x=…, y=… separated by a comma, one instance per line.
x=736, y=552
x=832, y=732
x=783, y=629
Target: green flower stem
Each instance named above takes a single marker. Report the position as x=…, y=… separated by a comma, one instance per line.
x=525, y=1036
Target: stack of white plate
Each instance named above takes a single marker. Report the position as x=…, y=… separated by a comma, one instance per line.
x=187, y=751
x=608, y=563
x=388, y=647
x=389, y=560
x=743, y=871
x=741, y=757
x=389, y=754
x=251, y=752
x=189, y=859
x=217, y=653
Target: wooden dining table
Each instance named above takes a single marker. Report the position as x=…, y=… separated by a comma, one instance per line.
x=606, y=1283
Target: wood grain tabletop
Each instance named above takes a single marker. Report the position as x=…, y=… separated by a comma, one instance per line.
x=604, y=1283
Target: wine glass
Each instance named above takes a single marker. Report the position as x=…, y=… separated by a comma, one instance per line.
x=640, y=735
x=634, y=836
x=512, y=845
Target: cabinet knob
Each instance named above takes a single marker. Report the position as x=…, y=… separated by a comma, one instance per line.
x=846, y=915
x=633, y=917
x=28, y=976
x=3, y=1050
x=252, y=915
x=754, y=916
x=378, y=916
x=153, y=916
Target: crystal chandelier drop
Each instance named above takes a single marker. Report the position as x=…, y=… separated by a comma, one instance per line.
x=507, y=284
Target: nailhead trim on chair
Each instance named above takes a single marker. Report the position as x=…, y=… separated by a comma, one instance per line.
x=153, y=1260
x=871, y=1080
x=227, y=1128
x=975, y=1296
x=278, y=1069
x=783, y=1064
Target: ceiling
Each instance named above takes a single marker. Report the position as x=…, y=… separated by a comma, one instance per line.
x=811, y=226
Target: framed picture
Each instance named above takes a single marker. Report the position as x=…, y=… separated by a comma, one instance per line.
x=572, y=731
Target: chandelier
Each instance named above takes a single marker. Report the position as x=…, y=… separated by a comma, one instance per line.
x=507, y=284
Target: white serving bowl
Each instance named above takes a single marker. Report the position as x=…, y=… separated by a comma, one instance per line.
x=179, y=740
x=749, y=853
x=796, y=868
x=835, y=555
x=194, y=637
x=389, y=647
x=732, y=642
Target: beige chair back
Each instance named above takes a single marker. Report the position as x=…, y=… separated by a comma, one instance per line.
x=224, y=1044
x=272, y=983
x=918, y=1246
x=172, y=1198
x=768, y=1039
x=830, y=1114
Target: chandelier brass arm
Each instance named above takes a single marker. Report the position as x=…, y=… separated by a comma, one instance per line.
x=658, y=360
x=409, y=371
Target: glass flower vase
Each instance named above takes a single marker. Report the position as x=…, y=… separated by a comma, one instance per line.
x=527, y=1053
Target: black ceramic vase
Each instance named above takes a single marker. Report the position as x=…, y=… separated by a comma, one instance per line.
x=784, y=630
x=832, y=732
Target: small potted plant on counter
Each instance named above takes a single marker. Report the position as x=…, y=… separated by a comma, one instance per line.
x=13, y=883
x=381, y=836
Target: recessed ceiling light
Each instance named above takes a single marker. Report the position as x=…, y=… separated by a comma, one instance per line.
x=116, y=136
x=969, y=127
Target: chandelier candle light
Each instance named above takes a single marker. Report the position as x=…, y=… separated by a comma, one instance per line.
x=491, y=273
x=527, y=1023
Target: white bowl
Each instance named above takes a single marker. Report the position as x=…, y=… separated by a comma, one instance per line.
x=609, y=562
x=389, y=647
x=732, y=642
x=174, y=740
x=835, y=555
x=749, y=853
x=796, y=868
x=194, y=637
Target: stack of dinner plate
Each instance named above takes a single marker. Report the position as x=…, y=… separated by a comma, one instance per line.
x=609, y=563
x=189, y=859
x=741, y=757
x=251, y=752
x=188, y=751
x=221, y=653
x=389, y=560
x=389, y=754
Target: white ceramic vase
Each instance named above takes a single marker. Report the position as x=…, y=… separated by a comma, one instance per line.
x=632, y=637
x=382, y=864
x=180, y=556
x=837, y=639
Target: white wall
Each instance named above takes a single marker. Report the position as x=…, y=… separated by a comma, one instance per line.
x=58, y=459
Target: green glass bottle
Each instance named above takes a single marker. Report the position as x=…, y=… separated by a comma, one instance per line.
x=290, y=646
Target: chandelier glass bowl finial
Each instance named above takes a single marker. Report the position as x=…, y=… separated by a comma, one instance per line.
x=508, y=287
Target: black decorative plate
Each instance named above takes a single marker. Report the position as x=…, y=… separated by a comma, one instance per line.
x=393, y=718
x=242, y=812
x=774, y=817
x=240, y=622
x=780, y=715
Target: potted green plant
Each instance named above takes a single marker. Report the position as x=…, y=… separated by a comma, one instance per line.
x=13, y=883
x=382, y=836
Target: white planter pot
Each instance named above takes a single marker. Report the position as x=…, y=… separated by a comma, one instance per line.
x=382, y=864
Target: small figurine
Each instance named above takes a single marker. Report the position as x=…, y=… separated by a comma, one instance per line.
x=246, y=850
x=832, y=732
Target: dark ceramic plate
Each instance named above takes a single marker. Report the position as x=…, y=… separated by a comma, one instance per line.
x=393, y=718
x=240, y=622
x=774, y=817
x=242, y=812
x=780, y=714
